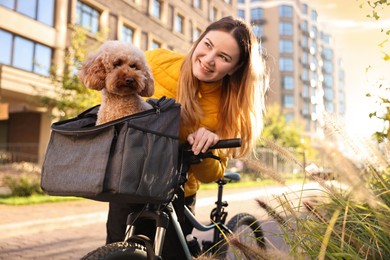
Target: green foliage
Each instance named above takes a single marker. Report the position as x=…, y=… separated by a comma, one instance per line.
x=277, y=129
x=376, y=7
x=34, y=199
x=70, y=96
x=23, y=185
x=384, y=115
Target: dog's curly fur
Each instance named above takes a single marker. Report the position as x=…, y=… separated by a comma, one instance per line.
x=120, y=71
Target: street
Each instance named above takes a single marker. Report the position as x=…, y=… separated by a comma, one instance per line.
x=72, y=235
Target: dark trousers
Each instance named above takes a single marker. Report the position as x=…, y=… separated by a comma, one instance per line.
x=116, y=225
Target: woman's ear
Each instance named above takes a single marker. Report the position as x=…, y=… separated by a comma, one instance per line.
x=92, y=72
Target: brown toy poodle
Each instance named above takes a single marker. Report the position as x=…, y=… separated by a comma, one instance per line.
x=120, y=71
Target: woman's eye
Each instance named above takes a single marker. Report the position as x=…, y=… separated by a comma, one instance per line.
x=208, y=45
x=224, y=58
x=118, y=63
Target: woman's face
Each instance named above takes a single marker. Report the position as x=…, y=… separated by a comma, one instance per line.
x=216, y=55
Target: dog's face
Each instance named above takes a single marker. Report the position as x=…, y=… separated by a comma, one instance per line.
x=120, y=68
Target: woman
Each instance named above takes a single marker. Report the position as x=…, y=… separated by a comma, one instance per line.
x=220, y=85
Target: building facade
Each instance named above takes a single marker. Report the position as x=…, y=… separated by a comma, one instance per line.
x=35, y=34
x=307, y=77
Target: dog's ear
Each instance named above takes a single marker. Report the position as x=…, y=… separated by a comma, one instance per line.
x=92, y=72
x=148, y=91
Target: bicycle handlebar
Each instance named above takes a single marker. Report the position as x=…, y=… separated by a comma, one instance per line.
x=224, y=143
x=227, y=143
x=188, y=157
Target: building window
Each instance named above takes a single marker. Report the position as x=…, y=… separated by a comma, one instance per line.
x=305, y=91
x=313, y=48
x=288, y=82
x=313, y=15
x=195, y=34
x=326, y=38
x=155, y=45
x=241, y=13
x=305, y=42
x=305, y=74
x=40, y=10
x=179, y=23
x=327, y=53
x=304, y=8
x=288, y=101
x=197, y=4
x=328, y=80
x=305, y=109
x=304, y=26
x=87, y=17
x=289, y=117
x=328, y=93
x=286, y=64
x=127, y=34
x=285, y=28
x=286, y=46
x=258, y=30
x=257, y=14
x=24, y=54
x=156, y=9
x=314, y=63
x=305, y=58
x=285, y=11
x=212, y=14
x=329, y=107
x=313, y=32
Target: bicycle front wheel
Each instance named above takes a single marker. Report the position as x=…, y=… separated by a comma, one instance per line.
x=247, y=234
x=118, y=251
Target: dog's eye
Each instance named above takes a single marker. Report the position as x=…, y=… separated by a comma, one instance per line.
x=134, y=66
x=118, y=63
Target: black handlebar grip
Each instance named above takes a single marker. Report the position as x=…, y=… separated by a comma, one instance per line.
x=227, y=143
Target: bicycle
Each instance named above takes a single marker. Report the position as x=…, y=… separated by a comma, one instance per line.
x=137, y=245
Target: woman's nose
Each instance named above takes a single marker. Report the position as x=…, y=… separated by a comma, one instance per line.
x=209, y=59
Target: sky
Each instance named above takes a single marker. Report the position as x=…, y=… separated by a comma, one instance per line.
x=357, y=39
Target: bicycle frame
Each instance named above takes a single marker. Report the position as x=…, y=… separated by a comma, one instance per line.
x=140, y=243
x=162, y=219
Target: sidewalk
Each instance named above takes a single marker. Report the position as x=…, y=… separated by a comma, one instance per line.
x=69, y=230
x=16, y=220
x=28, y=219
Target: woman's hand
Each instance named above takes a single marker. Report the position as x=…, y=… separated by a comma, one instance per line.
x=201, y=140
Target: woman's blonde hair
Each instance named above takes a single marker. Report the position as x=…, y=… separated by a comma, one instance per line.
x=242, y=96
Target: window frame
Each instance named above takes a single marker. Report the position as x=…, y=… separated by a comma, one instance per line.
x=37, y=12
x=33, y=66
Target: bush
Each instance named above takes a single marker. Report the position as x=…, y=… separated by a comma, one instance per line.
x=23, y=185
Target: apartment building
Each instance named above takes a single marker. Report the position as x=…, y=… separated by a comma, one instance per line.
x=34, y=35
x=307, y=77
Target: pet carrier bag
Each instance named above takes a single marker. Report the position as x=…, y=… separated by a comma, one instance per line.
x=131, y=159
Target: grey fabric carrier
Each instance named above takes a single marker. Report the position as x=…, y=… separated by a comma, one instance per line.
x=132, y=159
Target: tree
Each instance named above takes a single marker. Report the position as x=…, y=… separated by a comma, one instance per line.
x=277, y=129
x=69, y=96
x=383, y=99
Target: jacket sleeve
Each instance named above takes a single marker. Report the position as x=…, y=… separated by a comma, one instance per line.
x=209, y=169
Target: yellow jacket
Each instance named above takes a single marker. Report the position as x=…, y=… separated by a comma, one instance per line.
x=165, y=66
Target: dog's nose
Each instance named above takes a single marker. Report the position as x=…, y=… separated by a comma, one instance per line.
x=129, y=81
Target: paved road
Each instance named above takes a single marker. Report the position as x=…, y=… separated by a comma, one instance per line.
x=70, y=230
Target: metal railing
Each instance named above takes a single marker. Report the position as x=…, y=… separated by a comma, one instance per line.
x=18, y=152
